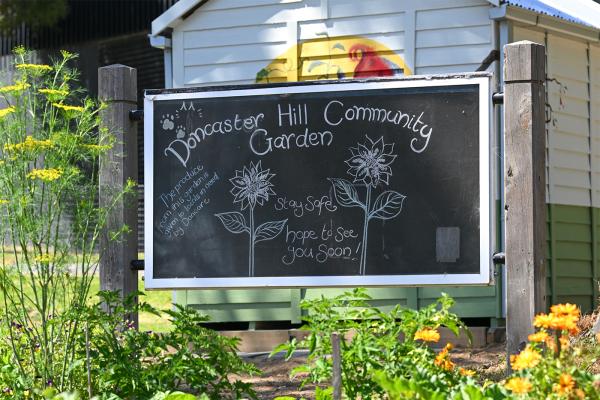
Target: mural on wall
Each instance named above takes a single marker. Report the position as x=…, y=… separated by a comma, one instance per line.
x=343, y=57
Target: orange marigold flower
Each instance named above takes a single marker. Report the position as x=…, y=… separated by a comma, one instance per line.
x=443, y=360
x=565, y=384
x=580, y=393
x=466, y=372
x=528, y=358
x=543, y=321
x=538, y=337
x=427, y=335
x=564, y=342
x=565, y=309
x=518, y=385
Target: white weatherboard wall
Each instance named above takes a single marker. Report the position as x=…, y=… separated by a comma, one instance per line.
x=229, y=41
x=573, y=89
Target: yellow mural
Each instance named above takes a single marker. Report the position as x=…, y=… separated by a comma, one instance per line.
x=341, y=57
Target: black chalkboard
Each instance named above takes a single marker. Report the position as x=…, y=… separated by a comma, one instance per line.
x=371, y=182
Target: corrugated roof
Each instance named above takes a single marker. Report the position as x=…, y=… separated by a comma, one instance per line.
x=584, y=12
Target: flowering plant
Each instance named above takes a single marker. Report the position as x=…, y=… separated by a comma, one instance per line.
x=50, y=143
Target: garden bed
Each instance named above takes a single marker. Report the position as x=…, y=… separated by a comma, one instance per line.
x=489, y=362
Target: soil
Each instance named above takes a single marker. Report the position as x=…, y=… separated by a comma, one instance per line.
x=489, y=362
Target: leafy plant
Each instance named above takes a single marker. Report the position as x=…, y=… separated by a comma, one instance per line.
x=134, y=364
x=372, y=342
x=50, y=144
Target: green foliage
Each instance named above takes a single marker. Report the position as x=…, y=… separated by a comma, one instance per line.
x=372, y=343
x=320, y=394
x=134, y=364
x=34, y=13
x=50, y=223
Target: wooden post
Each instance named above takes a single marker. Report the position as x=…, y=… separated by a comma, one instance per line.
x=336, y=354
x=117, y=86
x=525, y=189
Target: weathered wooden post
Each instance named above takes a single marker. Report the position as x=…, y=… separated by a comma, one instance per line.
x=117, y=86
x=525, y=188
x=336, y=355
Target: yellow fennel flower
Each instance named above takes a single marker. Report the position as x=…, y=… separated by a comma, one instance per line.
x=5, y=111
x=56, y=92
x=18, y=87
x=46, y=175
x=34, y=67
x=30, y=144
x=528, y=358
x=518, y=385
x=427, y=335
x=68, y=107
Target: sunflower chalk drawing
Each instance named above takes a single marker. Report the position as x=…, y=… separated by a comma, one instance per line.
x=251, y=186
x=369, y=166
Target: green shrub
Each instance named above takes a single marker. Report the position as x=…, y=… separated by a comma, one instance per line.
x=373, y=343
x=134, y=364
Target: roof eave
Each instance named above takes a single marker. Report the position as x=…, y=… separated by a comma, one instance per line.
x=173, y=16
x=531, y=18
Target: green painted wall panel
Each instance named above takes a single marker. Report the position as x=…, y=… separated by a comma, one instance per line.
x=572, y=250
x=566, y=231
x=574, y=245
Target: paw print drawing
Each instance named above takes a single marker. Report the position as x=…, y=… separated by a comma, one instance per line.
x=180, y=132
x=167, y=122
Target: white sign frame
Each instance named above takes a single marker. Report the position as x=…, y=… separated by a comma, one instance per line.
x=486, y=199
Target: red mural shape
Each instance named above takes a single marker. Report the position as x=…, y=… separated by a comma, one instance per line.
x=369, y=63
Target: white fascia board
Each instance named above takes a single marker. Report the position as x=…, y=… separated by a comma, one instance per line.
x=531, y=18
x=172, y=16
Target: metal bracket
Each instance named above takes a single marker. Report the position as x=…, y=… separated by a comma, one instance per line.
x=499, y=258
x=137, y=265
x=136, y=115
x=498, y=98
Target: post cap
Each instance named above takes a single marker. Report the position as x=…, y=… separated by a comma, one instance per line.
x=524, y=61
x=117, y=82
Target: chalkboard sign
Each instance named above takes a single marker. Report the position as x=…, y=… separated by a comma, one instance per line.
x=359, y=183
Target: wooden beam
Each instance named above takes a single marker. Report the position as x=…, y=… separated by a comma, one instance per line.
x=525, y=188
x=117, y=87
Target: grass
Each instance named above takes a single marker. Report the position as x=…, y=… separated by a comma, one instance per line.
x=159, y=299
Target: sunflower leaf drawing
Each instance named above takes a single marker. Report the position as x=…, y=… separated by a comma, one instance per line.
x=369, y=166
x=387, y=205
x=233, y=221
x=251, y=187
x=345, y=193
x=269, y=230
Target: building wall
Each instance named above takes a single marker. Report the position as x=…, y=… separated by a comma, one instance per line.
x=240, y=41
x=573, y=165
x=230, y=41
